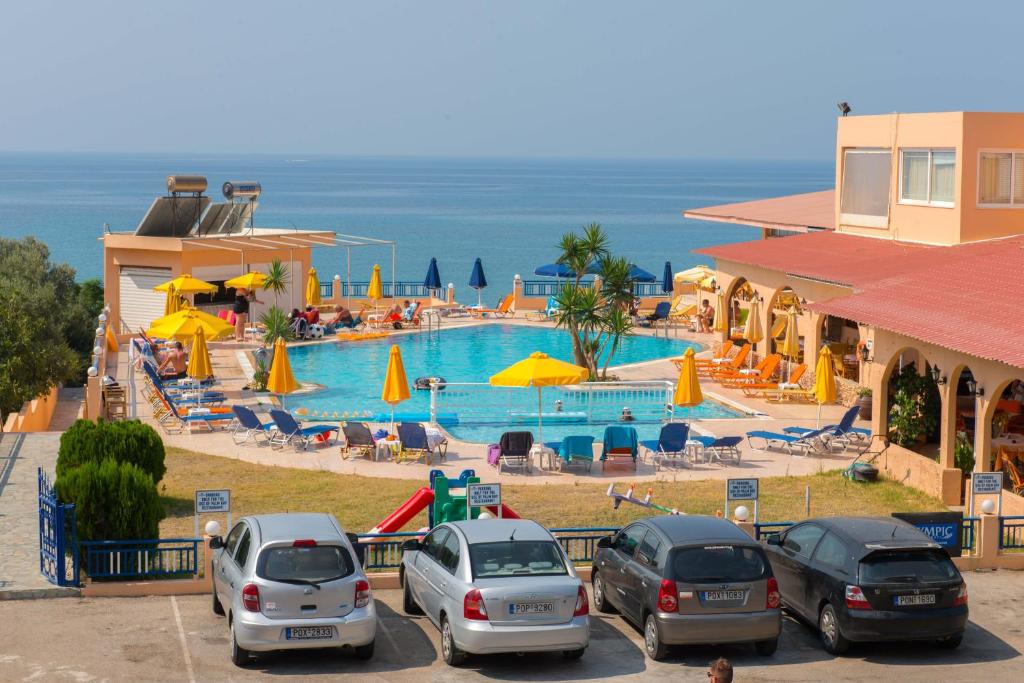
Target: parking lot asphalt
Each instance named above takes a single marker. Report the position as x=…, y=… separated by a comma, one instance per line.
x=179, y=639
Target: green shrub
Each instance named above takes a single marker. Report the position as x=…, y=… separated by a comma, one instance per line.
x=123, y=441
x=113, y=501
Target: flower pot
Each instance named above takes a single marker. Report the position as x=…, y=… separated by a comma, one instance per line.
x=864, y=407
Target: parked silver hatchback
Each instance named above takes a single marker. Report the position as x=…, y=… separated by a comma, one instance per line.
x=291, y=581
x=496, y=585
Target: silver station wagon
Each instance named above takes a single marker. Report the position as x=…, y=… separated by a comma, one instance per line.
x=292, y=581
x=496, y=585
x=688, y=579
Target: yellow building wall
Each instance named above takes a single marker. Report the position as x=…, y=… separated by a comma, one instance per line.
x=986, y=131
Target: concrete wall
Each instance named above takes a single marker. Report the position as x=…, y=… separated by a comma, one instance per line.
x=35, y=415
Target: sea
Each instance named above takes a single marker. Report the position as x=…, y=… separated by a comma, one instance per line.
x=508, y=212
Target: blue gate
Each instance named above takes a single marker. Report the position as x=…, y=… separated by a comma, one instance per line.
x=58, y=543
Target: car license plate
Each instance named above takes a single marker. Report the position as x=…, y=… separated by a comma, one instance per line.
x=309, y=633
x=531, y=608
x=903, y=600
x=716, y=596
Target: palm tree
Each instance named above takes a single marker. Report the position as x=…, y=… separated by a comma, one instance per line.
x=278, y=279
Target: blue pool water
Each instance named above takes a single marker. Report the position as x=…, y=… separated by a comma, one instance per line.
x=353, y=373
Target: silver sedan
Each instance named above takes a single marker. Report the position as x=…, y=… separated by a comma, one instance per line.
x=496, y=585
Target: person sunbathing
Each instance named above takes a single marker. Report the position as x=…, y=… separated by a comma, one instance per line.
x=174, y=363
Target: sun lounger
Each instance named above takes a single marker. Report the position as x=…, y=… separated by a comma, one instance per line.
x=682, y=312
x=721, y=447
x=515, y=450
x=573, y=450
x=721, y=357
x=504, y=309
x=670, y=446
x=661, y=312
x=415, y=442
x=815, y=441
x=729, y=367
x=618, y=444
x=176, y=419
x=248, y=427
x=291, y=432
x=762, y=373
x=769, y=389
x=844, y=432
x=357, y=438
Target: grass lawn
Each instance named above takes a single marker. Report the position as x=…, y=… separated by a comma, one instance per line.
x=361, y=502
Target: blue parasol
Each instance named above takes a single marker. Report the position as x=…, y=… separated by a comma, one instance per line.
x=636, y=273
x=666, y=278
x=555, y=270
x=433, y=279
x=477, y=280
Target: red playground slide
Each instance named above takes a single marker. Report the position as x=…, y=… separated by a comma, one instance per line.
x=506, y=512
x=406, y=511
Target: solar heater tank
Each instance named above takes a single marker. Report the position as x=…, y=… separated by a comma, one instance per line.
x=241, y=189
x=177, y=184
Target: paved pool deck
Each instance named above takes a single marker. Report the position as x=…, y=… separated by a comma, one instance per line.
x=231, y=367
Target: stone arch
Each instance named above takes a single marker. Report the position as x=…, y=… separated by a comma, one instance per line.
x=774, y=312
x=737, y=291
x=935, y=402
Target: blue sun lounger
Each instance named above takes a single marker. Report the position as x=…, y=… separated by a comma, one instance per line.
x=844, y=432
x=670, y=446
x=289, y=431
x=721, y=447
x=794, y=445
x=575, y=449
x=247, y=426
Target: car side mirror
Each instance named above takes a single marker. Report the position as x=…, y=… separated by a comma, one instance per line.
x=216, y=543
x=412, y=544
x=774, y=539
x=604, y=542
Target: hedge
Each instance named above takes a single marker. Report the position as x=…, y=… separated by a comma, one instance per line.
x=113, y=501
x=124, y=441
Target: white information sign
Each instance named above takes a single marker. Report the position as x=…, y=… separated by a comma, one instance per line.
x=483, y=495
x=213, y=501
x=987, y=482
x=742, y=489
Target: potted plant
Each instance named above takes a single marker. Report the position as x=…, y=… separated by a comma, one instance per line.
x=864, y=403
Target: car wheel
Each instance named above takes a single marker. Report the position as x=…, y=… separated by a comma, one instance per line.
x=600, y=598
x=239, y=655
x=409, y=605
x=766, y=648
x=951, y=643
x=573, y=654
x=831, y=635
x=364, y=651
x=656, y=649
x=218, y=608
x=453, y=656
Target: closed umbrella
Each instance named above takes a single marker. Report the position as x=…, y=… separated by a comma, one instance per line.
x=791, y=342
x=721, y=314
x=199, y=366
x=186, y=284
x=539, y=370
x=824, y=380
x=753, y=332
x=478, y=281
x=313, y=288
x=250, y=281
x=173, y=303
x=688, y=393
x=666, y=278
x=396, y=386
x=375, y=291
x=433, y=279
x=281, y=380
x=183, y=325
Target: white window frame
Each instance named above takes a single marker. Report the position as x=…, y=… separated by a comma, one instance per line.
x=862, y=220
x=1013, y=171
x=917, y=202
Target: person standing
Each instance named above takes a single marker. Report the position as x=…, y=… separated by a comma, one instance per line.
x=243, y=297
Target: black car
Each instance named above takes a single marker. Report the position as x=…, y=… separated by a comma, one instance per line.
x=869, y=579
x=689, y=579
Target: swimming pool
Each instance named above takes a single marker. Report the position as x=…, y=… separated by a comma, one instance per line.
x=353, y=372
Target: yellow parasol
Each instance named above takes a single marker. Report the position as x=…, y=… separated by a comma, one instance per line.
x=184, y=323
x=753, y=332
x=186, y=284
x=173, y=302
x=396, y=386
x=688, y=393
x=250, y=281
x=199, y=366
x=539, y=370
x=721, y=314
x=281, y=381
x=791, y=342
x=313, y=288
x=824, y=379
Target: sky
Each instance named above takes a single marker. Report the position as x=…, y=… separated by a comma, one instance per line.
x=585, y=79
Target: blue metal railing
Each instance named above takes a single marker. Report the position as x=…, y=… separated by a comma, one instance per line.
x=326, y=290
x=765, y=529
x=407, y=288
x=542, y=287
x=579, y=544
x=968, y=534
x=649, y=289
x=155, y=558
x=1011, y=533
x=58, y=544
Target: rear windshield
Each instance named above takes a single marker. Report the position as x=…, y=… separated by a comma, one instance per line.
x=516, y=558
x=318, y=564
x=907, y=566
x=718, y=563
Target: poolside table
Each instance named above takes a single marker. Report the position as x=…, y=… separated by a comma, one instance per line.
x=387, y=450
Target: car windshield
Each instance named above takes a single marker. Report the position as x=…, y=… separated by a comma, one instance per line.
x=718, y=563
x=313, y=565
x=907, y=566
x=516, y=558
